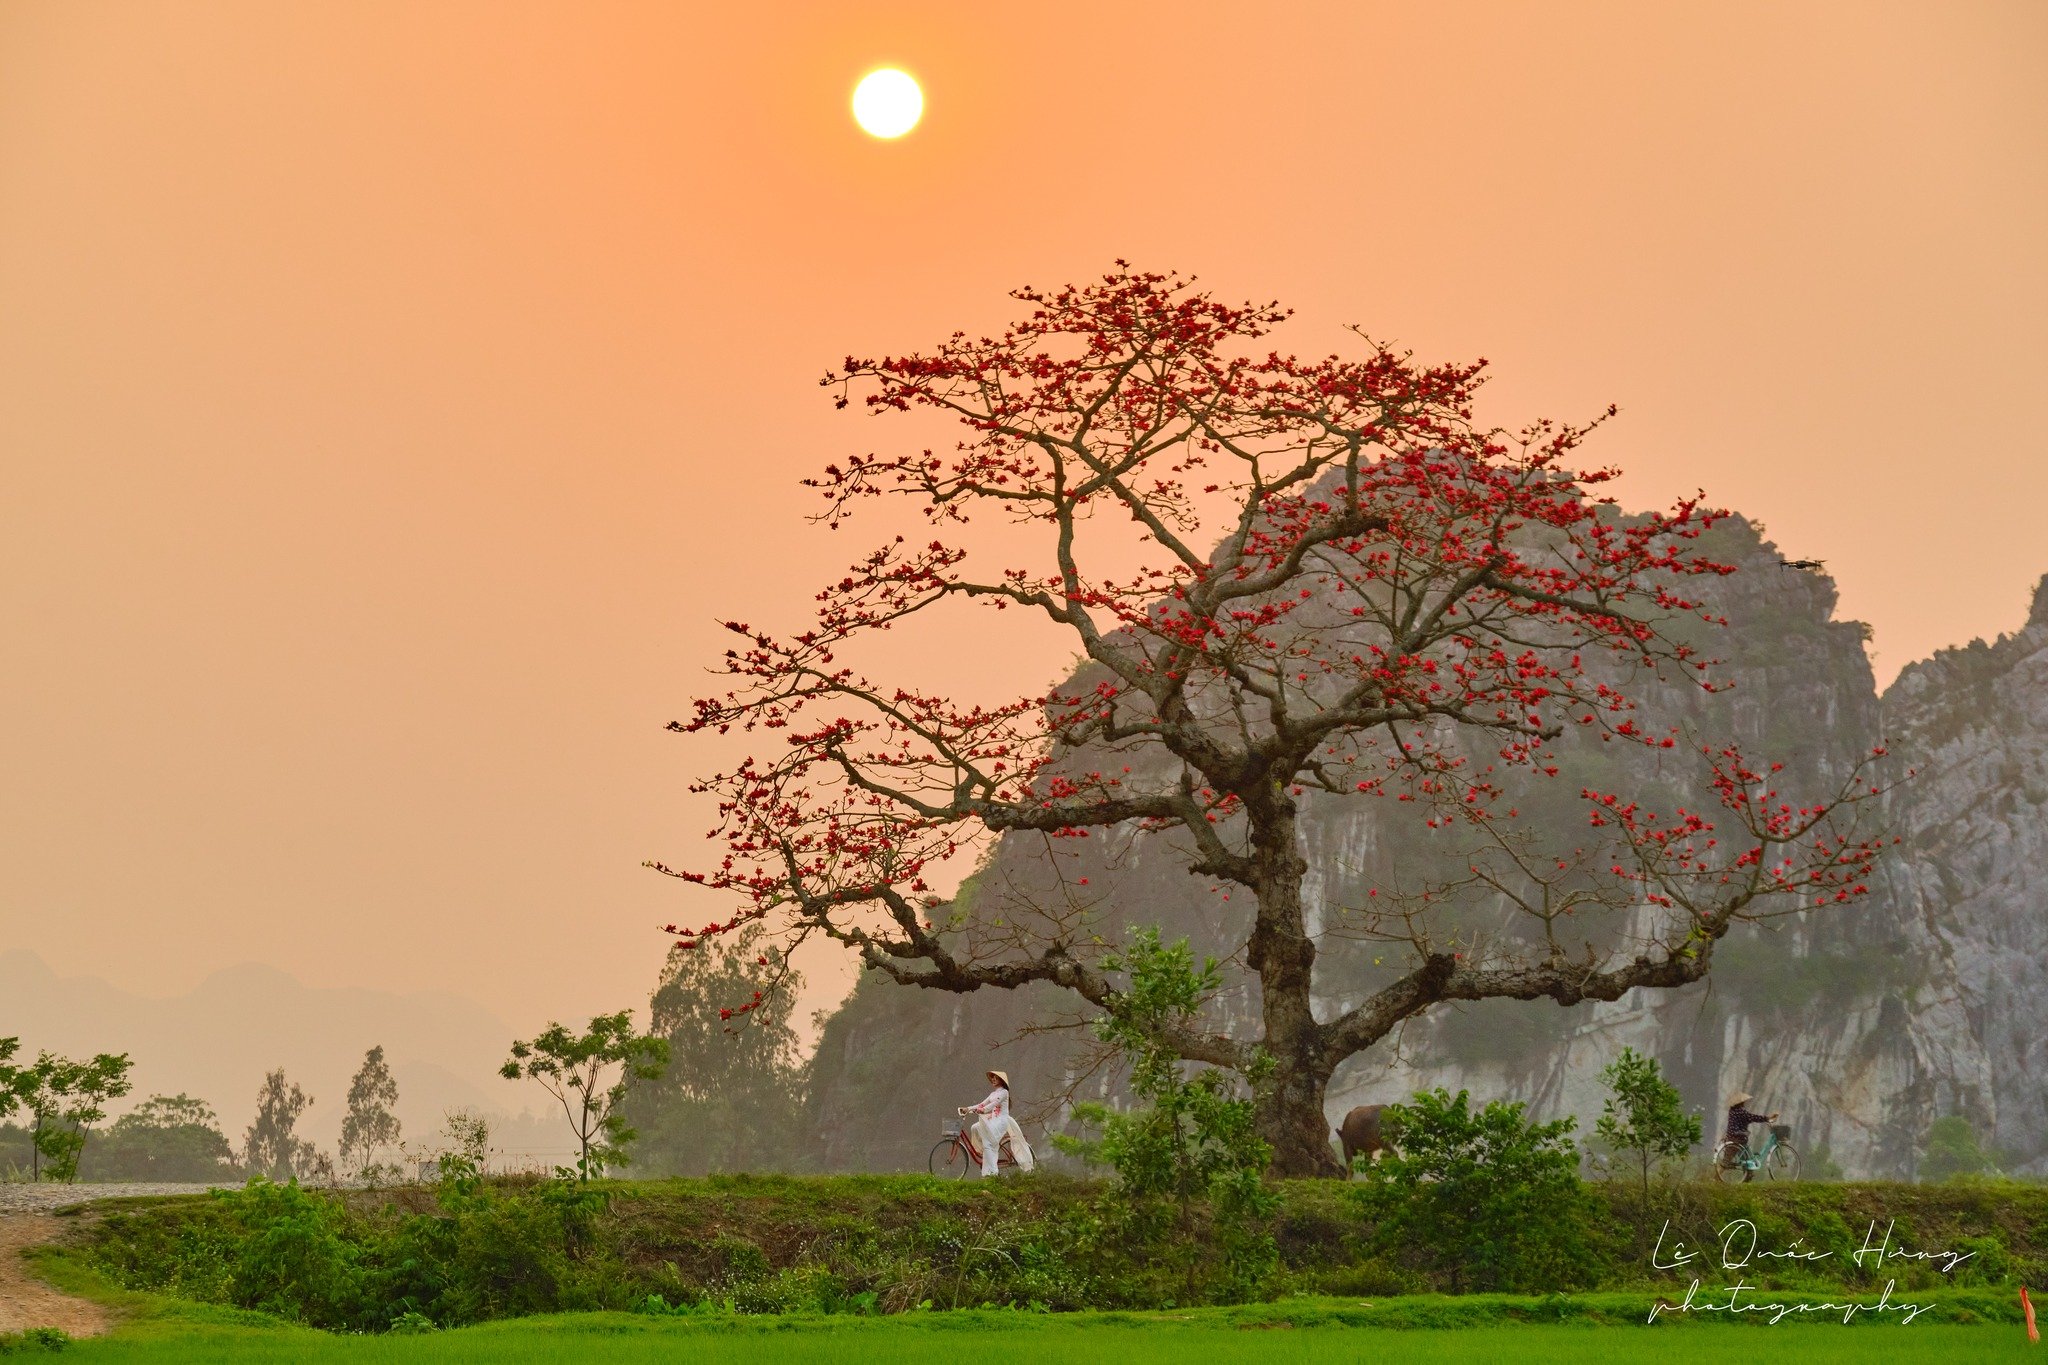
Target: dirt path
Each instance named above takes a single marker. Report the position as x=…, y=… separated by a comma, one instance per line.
x=27, y=1302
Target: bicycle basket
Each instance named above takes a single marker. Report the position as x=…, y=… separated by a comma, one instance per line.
x=948, y=1129
x=1782, y=1131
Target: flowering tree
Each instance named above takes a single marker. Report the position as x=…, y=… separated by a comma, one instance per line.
x=1290, y=579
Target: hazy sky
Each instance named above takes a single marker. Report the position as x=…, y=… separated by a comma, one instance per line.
x=393, y=395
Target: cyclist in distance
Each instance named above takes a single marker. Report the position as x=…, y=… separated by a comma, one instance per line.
x=1740, y=1117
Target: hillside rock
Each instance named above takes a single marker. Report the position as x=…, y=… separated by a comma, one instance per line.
x=1862, y=1025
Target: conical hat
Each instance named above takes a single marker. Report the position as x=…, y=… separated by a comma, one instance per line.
x=1002, y=1076
x=1740, y=1097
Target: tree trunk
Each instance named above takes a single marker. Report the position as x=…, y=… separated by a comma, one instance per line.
x=1291, y=1118
x=1290, y=1112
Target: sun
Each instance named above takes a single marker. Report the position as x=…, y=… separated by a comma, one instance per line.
x=887, y=103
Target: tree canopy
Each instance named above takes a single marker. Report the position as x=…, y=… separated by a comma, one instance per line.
x=1290, y=580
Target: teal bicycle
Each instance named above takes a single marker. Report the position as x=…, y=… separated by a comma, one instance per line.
x=1736, y=1163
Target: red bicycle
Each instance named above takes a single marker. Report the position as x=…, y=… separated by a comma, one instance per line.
x=958, y=1155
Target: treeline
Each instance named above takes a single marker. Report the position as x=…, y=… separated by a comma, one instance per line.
x=738, y=1096
x=53, y=1112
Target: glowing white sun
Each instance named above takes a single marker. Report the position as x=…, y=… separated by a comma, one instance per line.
x=887, y=103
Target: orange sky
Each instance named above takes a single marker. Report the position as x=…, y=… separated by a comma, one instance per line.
x=392, y=395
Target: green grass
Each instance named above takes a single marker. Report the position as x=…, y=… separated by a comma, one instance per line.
x=1132, y=1339
x=1589, y=1327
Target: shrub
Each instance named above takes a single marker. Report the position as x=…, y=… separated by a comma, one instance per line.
x=1485, y=1200
x=1953, y=1150
x=1195, y=1143
x=35, y=1340
x=294, y=1258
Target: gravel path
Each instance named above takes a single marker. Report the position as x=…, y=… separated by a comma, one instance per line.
x=48, y=1198
x=26, y=1221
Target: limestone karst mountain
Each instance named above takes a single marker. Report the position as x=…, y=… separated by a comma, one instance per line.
x=1864, y=1026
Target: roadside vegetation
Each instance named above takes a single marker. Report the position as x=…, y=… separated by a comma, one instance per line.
x=473, y=1250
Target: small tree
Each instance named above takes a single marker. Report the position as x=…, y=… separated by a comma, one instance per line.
x=272, y=1147
x=369, y=1125
x=1644, y=1113
x=9, y=1073
x=468, y=1134
x=1486, y=1200
x=574, y=1069
x=1198, y=1139
x=1953, y=1149
x=11, y=1083
x=63, y=1099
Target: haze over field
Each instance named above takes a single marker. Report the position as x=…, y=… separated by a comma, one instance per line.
x=393, y=395
x=216, y=1041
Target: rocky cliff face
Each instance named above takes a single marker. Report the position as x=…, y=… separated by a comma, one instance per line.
x=1863, y=1025
x=1975, y=881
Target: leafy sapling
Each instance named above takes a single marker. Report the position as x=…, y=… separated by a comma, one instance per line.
x=587, y=1075
x=1644, y=1116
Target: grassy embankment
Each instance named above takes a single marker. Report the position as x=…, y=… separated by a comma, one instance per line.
x=886, y=1256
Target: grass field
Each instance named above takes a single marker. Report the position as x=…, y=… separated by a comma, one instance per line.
x=1129, y=1340
x=1599, y=1328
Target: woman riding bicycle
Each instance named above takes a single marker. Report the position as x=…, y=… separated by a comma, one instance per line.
x=995, y=1124
x=1740, y=1117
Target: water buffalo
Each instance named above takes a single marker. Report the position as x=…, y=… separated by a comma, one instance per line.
x=1360, y=1133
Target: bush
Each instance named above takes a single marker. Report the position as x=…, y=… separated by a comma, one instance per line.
x=483, y=1252
x=1192, y=1154
x=294, y=1258
x=1953, y=1150
x=1486, y=1201
x=36, y=1340
x=474, y=1249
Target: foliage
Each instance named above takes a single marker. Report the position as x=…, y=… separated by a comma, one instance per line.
x=1487, y=1200
x=166, y=1137
x=1768, y=978
x=474, y=1249
x=1197, y=1138
x=468, y=1134
x=732, y=1096
x=369, y=1126
x=36, y=1340
x=271, y=1147
x=1820, y=1164
x=1284, y=575
x=62, y=1100
x=482, y=1251
x=587, y=1074
x=1644, y=1114
x=1953, y=1150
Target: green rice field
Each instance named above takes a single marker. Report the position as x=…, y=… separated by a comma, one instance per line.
x=1500, y=1328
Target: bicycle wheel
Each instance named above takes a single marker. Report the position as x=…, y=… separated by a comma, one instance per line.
x=949, y=1160
x=1728, y=1167
x=1782, y=1163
